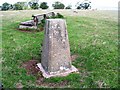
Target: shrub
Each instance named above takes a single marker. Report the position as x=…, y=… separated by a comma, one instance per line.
x=58, y=5
x=44, y=5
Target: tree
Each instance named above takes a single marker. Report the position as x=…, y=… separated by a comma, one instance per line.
x=84, y=5
x=11, y=6
x=25, y=6
x=20, y=6
x=58, y=5
x=6, y=6
x=44, y=5
x=69, y=7
x=34, y=4
x=0, y=7
x=17, y=6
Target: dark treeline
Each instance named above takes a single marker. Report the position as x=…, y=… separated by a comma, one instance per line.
x=33, y=4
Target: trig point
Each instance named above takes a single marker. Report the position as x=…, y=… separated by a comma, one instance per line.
x=56, y=60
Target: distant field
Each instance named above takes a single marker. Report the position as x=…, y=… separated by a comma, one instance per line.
x=93, y=37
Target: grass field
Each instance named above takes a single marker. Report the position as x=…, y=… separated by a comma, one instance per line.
x=93, y=36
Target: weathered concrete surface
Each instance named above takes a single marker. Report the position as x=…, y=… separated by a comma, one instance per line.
x=38, y=18
x=58, y=73
x=28, y=23
x=27, y=27
x=56, y=51
x=50, y=14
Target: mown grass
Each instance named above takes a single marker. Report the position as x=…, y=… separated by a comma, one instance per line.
x=95, y=40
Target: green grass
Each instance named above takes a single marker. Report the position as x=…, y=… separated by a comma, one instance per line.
x=94, y=39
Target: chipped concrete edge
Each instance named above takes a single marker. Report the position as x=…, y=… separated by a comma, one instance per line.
x=47, y=75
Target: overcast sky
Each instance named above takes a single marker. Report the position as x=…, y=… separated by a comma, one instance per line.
x=94, y=3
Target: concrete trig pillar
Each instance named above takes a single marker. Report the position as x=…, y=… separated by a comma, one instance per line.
x=56, y=60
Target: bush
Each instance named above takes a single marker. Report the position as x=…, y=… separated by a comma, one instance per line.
x=17, y=6
x=6, y=6
x=34, y=5
x=59, y=15
x=84, y=5
x=44, y=5
x=58, y=5
x=68, y=7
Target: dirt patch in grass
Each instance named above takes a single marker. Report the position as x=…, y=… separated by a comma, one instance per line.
x=23, y=30
x=31, y=65
x=32, y=69
x=55, y=85
x=19, y=85
x=74, y=57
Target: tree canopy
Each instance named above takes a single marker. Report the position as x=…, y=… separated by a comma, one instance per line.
x=68, y=7
x=44, y=5
x=34, y=4
x=6, y=6
x=20, y=6
x=84, y=5
x=58, y=5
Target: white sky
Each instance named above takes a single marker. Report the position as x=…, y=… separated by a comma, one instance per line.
x=94, y=4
